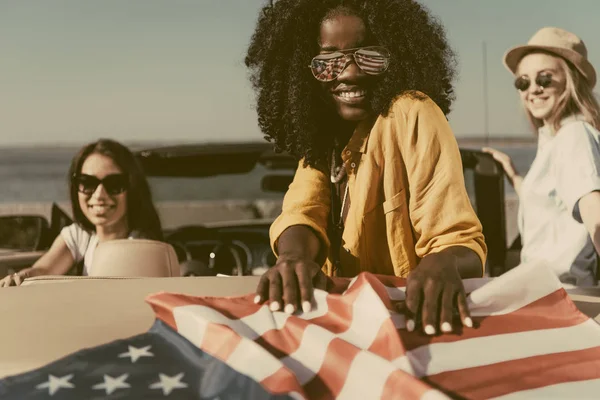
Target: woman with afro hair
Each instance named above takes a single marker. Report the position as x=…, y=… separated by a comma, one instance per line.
x=358, y=92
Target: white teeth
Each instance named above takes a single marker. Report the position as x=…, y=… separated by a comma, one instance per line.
x=537, y=101
x=350, y=95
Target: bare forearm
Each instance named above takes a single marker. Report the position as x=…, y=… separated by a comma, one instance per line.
x=466, y=261
x=299, y=241
x=516, y=181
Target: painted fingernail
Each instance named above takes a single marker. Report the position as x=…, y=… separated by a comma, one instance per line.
x=289, y=308
x=410, y=325
x=430, y=330
x=468, y=322
x=257, y=299
x=274, y=306
x=306, y=306
x=446, y=327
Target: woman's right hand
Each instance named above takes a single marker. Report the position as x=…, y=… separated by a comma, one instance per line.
x=290, y=275
x=17, y=278
x=505, y=160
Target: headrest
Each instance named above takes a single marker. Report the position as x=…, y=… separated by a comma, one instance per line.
x=134, y=257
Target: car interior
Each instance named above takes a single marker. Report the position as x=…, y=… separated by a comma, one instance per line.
x=241, y=248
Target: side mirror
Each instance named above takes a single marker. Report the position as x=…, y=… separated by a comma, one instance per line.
x=276, y=183
x=23, y=232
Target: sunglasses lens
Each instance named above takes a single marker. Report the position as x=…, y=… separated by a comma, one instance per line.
x=115, y=184
x=522, y=84
x=87, y=184
x=544, y=80
x=372, y=60
x=327, y=67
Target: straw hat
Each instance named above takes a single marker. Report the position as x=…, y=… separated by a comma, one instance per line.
x=557, y=41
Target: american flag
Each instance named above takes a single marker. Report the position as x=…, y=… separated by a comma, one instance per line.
x=529, y=342
x=158, y=364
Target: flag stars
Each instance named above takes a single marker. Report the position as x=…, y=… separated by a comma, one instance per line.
x=54, y=384
x=135, y=353
x=111, y=384
x=169, y=383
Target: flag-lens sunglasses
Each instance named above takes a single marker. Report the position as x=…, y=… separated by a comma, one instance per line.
x=372, y=60
x=543, y=80
x=113, y=184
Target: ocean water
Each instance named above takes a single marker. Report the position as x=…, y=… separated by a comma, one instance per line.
x=40, y=175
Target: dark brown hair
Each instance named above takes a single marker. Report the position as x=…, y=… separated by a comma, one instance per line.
x=141, y=213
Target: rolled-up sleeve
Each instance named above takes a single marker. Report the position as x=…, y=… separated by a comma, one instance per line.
x=307, y=202
x=577, y=165
x=440, y=210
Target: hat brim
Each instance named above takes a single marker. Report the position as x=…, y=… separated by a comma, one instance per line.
x=513, y=56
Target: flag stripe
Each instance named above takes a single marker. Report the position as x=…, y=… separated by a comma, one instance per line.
x=559, y=391
x=521, y=320
x=524, y=340
x=520, y=375
x=443, y=357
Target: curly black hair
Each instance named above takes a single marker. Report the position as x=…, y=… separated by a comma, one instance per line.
x=291, y=110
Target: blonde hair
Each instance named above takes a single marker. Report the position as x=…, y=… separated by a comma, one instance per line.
x=577, y=98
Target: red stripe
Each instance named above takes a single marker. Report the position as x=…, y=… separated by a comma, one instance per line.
x=220, y=341
x=564, y=314
x=499, y=379
x=386, y=343
x=401, y=385
x=281, y=382
x=163, y=304
x=332, y=375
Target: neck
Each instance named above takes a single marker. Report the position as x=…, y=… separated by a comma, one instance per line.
x=112, y=232
x=345, y=132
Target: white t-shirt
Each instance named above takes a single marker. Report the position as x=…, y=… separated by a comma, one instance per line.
x=566, y=168
x=82, y=244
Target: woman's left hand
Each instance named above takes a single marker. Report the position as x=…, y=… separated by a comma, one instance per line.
x=434, y=292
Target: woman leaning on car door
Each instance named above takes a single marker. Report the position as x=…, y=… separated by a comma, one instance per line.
x=358, y=91
x=559, y=198
x=111, y=199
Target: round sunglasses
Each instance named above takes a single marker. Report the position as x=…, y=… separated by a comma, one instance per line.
x=542, y=80
x=114, y=184
x=373, y=60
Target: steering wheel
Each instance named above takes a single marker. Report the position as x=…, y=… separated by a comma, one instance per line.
x=197, y=233
x=180, y=236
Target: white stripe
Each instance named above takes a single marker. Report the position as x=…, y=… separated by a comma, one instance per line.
x=191, y=320
x=434, y=395
x=443, y=357
x=366, y=367
x=194, y=317
x=570, y=390
x=320, y=307
x=368, y=315
x=306, y=361
x=396, y=293
x=513, y=290
x=470, y=285
x=244, y=359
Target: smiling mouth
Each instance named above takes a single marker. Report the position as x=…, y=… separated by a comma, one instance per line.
x=538, y=101
x=100, y=209
x=351, y=96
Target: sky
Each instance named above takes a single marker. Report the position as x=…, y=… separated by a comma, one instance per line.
x=72, y=71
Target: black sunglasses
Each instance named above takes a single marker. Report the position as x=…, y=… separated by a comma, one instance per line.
x=542, y=80
x=113, y=184
x=373, y=60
